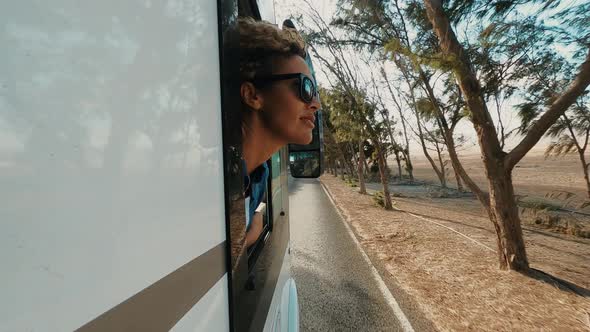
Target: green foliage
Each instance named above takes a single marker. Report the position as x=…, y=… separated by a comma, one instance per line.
x=459, y=10
x=425, y=108
x=545, y=79
x=564, y=145
x=553, y=201
x=555, y=222
x=378, y=199
x=374, y=168
x=584, y=205
x=352, y=119
x=559, y=194
x=572, y=130
x=369, y=149
x=520, y=50
x=528, y=112
x=351, y=181
x=425, y=42
x=421, y=56
x=574, y=27
x=538, y=205
x=342, y=117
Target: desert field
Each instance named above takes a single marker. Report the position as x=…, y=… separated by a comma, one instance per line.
x=534, y=176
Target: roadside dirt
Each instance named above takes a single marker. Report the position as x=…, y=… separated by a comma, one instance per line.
x=455, y=277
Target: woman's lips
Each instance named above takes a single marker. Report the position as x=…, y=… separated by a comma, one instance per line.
x=309, y=121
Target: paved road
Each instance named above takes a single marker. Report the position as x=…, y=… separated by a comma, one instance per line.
x=337, y=291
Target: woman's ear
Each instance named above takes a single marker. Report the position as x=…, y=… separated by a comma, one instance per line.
x=251, y=96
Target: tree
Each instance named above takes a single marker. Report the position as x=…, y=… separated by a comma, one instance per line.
x=381, y=25
x=424, y=116
x=502, y=48
x=406, y=149
x=572, y=132
x=347, y=83
x=389, y=122
x=498, y=165
x=345, y=129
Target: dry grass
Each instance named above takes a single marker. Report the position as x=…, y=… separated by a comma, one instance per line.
x=456, y=282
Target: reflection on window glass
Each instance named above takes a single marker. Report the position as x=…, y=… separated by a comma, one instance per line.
x=276, y=184
x=305, y=163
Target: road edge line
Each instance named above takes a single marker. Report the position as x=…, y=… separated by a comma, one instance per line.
x=391, y=301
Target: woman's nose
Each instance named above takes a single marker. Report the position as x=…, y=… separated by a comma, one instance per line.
x=315, y=103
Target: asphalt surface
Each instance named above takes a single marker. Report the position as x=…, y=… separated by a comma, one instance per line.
x=337, y=291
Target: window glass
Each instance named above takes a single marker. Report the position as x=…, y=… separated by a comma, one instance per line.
x=277, y=202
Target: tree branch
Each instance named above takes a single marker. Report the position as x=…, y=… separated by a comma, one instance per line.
x=559, y=106
x=586, y=139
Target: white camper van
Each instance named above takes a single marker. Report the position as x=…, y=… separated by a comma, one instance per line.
x=121, y=194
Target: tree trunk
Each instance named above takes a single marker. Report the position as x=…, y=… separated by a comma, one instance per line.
x=502, y=205
x=382, y=172
x=393, y=142
x=458, y=179
x=366, y=166
x=350, y=164
x=387, y=171
x=483, y=197
x=441, y=162
x=504, y=216
x=418, y=120
x=585, y=168
x=450, y=142
x=340, y=154
x=399, y=165
x=360, y=164
x=409, y=167
x=342, y=157
x=425, y=150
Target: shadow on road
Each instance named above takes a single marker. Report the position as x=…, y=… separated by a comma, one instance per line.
x=296, y=185
x=335, y=305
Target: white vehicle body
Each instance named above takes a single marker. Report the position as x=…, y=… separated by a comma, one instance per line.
x=114, y=195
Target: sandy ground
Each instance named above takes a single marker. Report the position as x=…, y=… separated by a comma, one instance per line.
x=455, y=277
x=533, y=176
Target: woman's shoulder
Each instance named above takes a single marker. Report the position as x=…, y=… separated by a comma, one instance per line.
x=260, y=173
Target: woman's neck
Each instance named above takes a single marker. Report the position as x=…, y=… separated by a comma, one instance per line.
x=258, y=143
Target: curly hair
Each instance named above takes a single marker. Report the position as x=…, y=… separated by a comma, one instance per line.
x=259, y=43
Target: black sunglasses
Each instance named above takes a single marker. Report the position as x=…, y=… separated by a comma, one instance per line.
x=307, y=88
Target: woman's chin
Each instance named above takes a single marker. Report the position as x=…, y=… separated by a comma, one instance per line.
x=303, y=140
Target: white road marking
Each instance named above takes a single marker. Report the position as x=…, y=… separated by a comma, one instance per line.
x=449, y=228
x=397, y=310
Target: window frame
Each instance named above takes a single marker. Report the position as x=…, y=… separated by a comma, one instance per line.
x=251, y=280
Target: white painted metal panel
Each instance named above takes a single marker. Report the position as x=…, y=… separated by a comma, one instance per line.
x=278, y=313
x=110, y=153
x=210, y=314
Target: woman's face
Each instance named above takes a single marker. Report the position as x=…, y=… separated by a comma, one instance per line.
x=285, y=115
